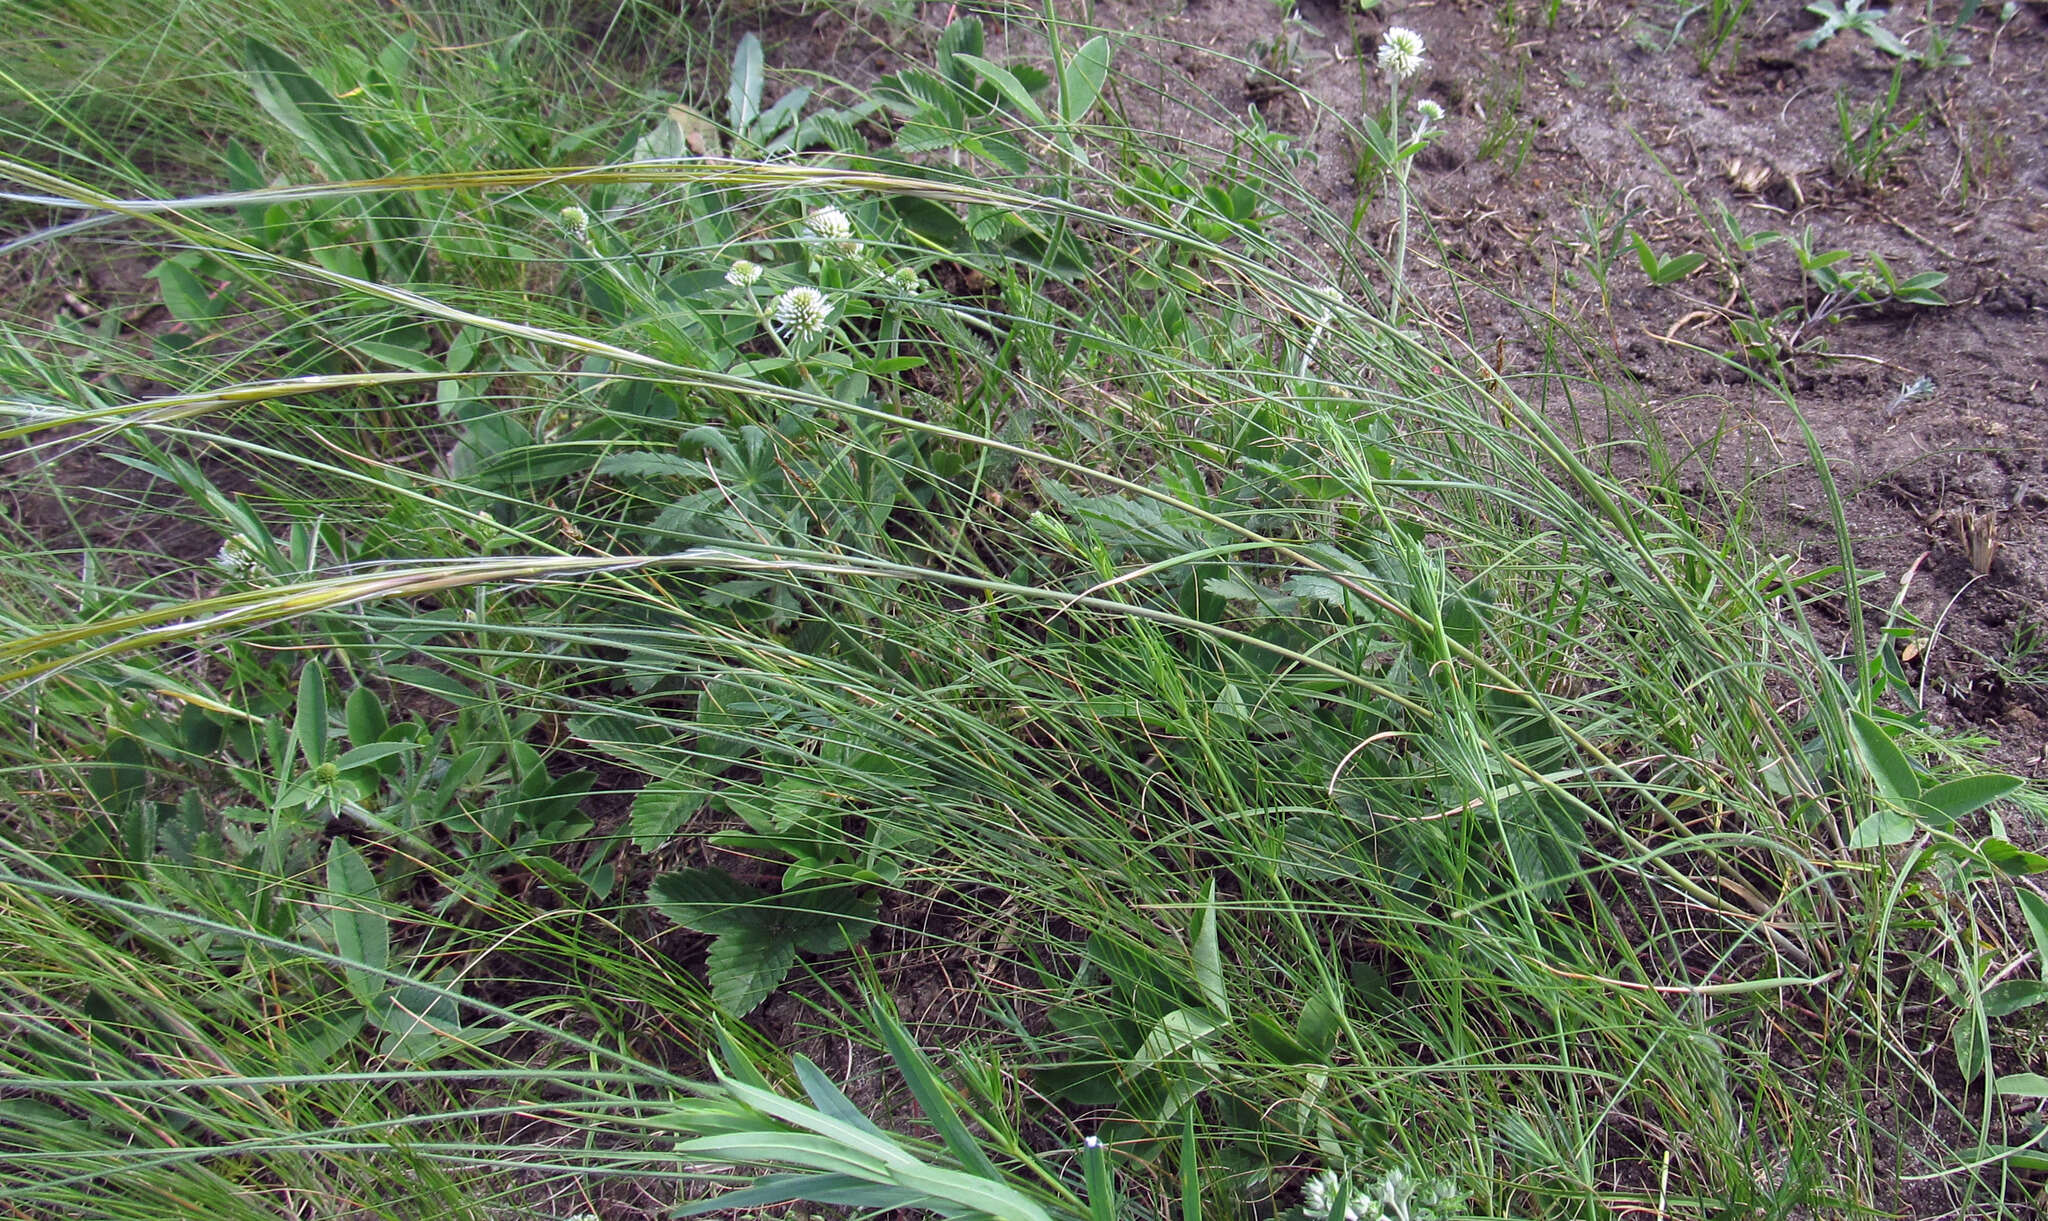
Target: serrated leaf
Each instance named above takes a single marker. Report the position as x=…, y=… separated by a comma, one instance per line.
x=661, y=808
x=827, y=920
x=709, y=901
x=744, y=966
x=647, y=465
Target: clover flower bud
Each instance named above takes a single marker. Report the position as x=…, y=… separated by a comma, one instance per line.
x=1430, y=111
x=576, y=221
x=905, y=281
x=743, y=273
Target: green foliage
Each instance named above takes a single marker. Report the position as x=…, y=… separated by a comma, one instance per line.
x=1853, y=16
x=1666, y=271
x=756, y=936
x=1217, y=700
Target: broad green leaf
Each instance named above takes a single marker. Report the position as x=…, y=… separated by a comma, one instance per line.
x=2013, y=995
x=1006, y=83
x=2023, y=1085
x=932, y=1096
x=1319, y=1024
x=364, y=714
x=1955, y=798
x=743, y=95
x=863, y=1139
x=185, y=296
x=1175, y=1033
x=708, y=901
x=828, y=919
x=371, y=752
x=399, y=356
x=773, y=1147
x=827, y=1097
x=362, y=934
x=2011, y=861
x=303, y=107
x=1884, y=829
x=1882, y=760
x=2035, y=909
x=309, y=726
x=1081, y=79
x=661, y=808
x=1208, y=957
x=744, y=966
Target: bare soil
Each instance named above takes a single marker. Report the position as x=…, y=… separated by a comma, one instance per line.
x=1560, y=112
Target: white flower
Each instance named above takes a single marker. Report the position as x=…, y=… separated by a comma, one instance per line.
x=829, y=224
x=238, y=558
x=905, y=281
x=1400, y=52
x=1320, y=1192
x=743, y=273
x=803, y=311
x=576, y=221
x=1429, y=109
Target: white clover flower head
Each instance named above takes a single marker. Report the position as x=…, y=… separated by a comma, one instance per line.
x=1400, y=52
x=743, y=273
x=1430, y=110
x=239, y=558
x=905, y=281
x=829, y=224
x=803, y=311
x=575, y=220
x=1091, y=1142
x=1320, y=1193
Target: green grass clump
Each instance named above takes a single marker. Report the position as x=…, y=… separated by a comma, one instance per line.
x=671, y=612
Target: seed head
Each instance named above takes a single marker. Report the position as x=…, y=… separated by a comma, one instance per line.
x=1400, y=52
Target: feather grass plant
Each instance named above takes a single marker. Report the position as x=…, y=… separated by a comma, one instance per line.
x=1256, y=740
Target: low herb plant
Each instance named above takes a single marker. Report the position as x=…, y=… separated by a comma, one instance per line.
x=657, y=599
